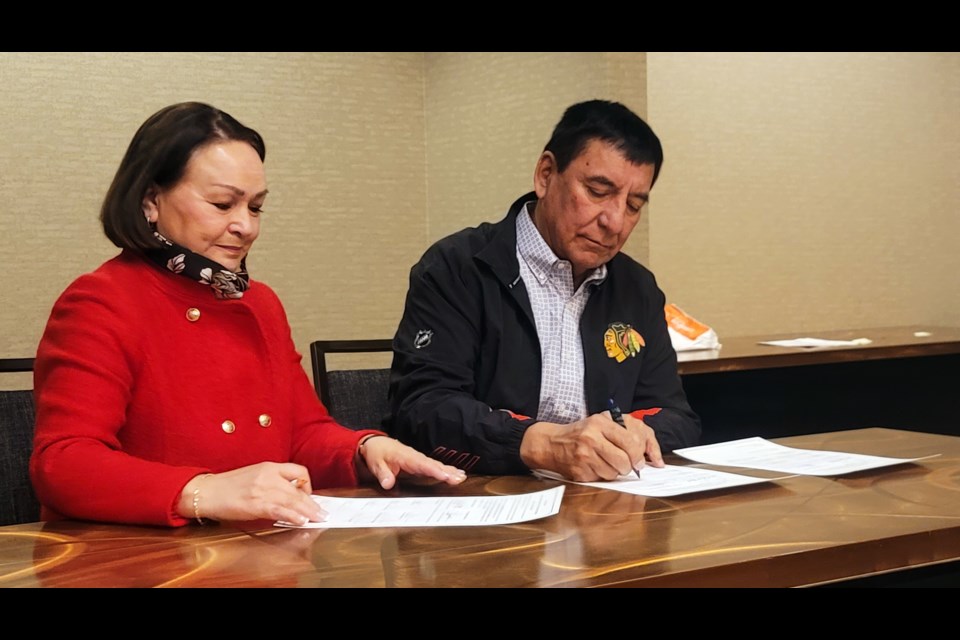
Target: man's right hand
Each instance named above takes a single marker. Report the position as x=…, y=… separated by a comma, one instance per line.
x=595, y=448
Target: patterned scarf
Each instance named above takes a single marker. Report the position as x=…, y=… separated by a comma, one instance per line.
x=225, y=283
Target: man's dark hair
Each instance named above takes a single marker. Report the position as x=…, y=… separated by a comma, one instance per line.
x=157, y=157
x=610, y=122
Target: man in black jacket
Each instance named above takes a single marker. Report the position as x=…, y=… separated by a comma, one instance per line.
x=519, y=337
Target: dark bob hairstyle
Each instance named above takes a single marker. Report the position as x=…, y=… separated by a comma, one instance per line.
x=157, y=157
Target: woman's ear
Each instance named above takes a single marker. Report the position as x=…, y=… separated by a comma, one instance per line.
x=149, y=205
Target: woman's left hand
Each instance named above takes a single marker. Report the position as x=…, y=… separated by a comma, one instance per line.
x=386, y=458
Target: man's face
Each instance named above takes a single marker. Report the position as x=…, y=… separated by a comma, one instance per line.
x=586, y=213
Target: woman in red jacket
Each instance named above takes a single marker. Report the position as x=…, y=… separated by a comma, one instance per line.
x=167, y=385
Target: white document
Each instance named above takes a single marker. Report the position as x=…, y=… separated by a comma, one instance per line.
x=758, y=453
x=446, y=511
x=817, y=342
x=670, y=480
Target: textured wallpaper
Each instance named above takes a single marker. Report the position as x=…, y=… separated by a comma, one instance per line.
x=807, y=191
x=800, y=191
x=489, y=116
x=345, y=166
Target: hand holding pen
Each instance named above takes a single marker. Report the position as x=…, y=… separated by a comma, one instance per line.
x=590, y=449
x=617, y=417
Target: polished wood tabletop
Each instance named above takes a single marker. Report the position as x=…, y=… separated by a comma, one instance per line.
x=743, y=353
x=796, y=531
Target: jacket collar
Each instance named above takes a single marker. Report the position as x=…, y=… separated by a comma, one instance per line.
x=500, y=253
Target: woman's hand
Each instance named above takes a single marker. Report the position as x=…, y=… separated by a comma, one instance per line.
x=268, y=490
x=383, y=459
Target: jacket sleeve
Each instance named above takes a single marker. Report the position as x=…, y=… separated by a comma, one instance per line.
x=433, y=389
x=659, y=386
x=84, y=374
x=325, y=447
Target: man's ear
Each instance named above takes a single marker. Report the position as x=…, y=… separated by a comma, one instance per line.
x=545, y=172
x=149, y=205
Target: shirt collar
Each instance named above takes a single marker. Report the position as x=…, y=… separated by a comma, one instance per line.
x=538, y=255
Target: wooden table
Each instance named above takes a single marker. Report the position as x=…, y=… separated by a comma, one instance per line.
x=745, y=353
x=894, y=524
x=899, y=380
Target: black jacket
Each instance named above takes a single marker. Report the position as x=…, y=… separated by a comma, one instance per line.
x=465, y=380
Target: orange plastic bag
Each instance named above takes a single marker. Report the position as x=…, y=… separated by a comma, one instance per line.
x=687, y=333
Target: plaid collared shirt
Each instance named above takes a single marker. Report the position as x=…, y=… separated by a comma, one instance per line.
x=556, y=309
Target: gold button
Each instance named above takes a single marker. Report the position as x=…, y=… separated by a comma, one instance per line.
x=193, y=314
x=228, y=426
x=265, y=420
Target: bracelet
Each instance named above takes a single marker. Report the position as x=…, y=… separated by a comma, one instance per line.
x=364, y=439
x=196, y=499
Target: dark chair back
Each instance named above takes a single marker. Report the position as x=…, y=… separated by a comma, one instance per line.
x=18, y=502
x=356, y=398
x=16, y=365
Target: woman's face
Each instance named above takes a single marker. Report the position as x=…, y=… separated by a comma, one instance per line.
x=214, y=210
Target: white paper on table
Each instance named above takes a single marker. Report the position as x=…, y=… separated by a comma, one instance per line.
x=444, y=511
x=669, y=480
x=817, y=342
x=758, y=453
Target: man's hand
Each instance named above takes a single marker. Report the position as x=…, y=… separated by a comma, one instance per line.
x=595, y=448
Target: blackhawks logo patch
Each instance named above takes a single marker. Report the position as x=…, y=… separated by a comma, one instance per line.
x=621, y=340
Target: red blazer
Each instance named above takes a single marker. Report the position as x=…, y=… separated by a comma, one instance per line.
x=136, y=394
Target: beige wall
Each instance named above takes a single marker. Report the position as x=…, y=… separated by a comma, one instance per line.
x=345, y=166
x=800, y=191
x=489, y=116
x=807, y=191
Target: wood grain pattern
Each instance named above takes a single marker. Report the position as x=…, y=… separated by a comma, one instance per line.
x=792, y=532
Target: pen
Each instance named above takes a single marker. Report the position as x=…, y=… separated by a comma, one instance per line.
x=617, y=416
